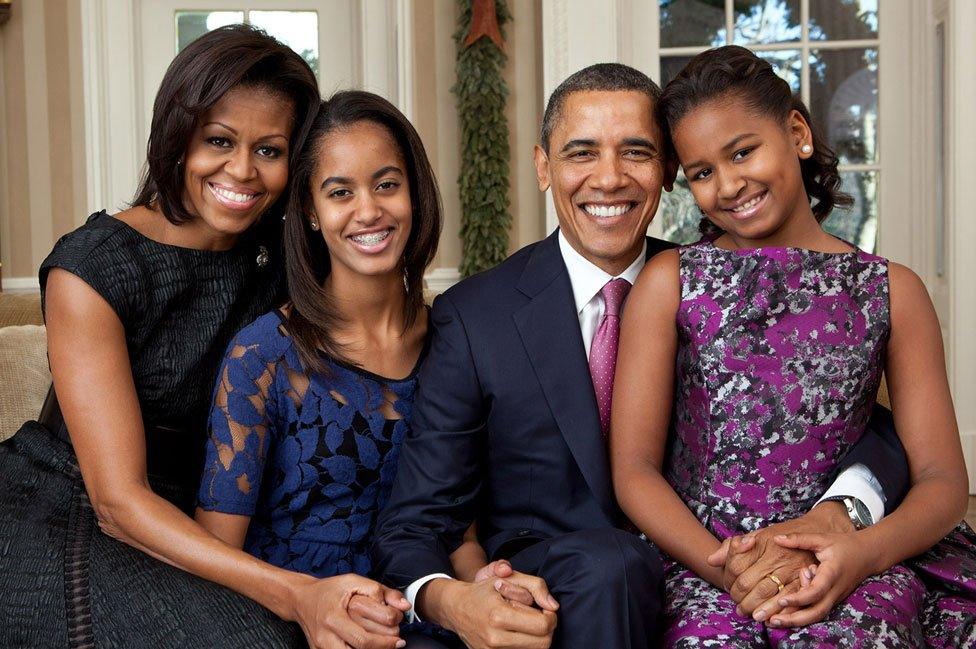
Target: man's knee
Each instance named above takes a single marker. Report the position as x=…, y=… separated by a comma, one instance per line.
x=609, y=555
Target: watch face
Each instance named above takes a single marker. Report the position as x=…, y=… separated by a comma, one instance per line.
x=862, y=512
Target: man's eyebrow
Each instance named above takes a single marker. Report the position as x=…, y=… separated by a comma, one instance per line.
x=639, y=141
x=575, y=144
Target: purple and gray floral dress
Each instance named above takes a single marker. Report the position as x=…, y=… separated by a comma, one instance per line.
x=780, y=356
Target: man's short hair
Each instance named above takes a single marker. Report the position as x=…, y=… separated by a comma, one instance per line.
x=599, y=77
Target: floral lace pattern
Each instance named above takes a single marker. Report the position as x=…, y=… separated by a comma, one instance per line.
x=311, y=459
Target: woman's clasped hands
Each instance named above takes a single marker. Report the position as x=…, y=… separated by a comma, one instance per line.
x=787, y=576
x=350, y=611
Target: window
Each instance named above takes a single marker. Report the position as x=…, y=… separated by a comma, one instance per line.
x=299, y=30
x=827, y=50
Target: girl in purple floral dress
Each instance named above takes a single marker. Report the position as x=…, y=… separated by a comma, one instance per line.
x=770, y=336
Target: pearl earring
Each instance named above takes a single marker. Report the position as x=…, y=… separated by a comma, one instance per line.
x=314, y=225
x=806, y=148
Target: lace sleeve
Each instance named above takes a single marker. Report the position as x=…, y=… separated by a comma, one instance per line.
x=239, y=431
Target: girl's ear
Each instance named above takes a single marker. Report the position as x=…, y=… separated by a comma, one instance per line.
x=800, y=133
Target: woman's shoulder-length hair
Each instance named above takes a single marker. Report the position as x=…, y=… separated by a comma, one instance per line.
x=200, y=75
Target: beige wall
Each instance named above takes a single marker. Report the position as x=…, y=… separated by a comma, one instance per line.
x=42, y=175
x=435, y=115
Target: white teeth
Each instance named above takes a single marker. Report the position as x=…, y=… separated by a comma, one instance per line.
x=750, y=204
x=372, y=238
x=606, y=210
x=231, y=196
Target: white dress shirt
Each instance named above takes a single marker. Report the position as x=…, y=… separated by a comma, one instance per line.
x=587, y=281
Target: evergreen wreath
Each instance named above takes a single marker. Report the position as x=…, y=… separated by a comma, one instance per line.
x=481, y=94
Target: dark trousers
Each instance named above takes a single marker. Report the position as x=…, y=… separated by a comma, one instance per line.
x=608, y=584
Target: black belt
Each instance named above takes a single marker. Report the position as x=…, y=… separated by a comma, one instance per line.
x=174, y=455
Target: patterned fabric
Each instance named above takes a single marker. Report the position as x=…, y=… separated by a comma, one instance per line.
x=310, y=458
x=780, y=355
x=603, y=349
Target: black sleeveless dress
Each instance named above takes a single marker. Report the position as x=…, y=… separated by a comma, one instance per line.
x=63, y=583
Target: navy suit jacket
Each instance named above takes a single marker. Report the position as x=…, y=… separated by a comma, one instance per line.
x=505, y=428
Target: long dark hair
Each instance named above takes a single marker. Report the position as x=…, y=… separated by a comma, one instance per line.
x=734, y=71
x=314, y=314
x=200, y=75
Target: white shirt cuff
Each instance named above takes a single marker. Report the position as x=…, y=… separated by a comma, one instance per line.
x=414, y=588
x=857, y=481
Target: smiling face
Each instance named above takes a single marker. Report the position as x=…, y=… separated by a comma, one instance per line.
x=236, y=164
x=605, y=166
x=744, y=170
x=361, y=198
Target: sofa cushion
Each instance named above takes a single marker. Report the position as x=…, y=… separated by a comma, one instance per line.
x=24, y=376
x=20, y=309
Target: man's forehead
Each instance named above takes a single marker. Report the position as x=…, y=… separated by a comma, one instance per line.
x=597, y=115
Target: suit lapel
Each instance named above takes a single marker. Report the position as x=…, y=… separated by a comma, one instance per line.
x=550, y=332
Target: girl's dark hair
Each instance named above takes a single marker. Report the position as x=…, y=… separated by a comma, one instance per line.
x=200, y=75
x=735, y=72
x=314, y=314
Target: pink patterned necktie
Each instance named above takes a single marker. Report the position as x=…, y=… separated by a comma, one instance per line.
x=603, y=349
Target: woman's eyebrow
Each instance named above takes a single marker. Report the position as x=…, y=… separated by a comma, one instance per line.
x=270, y=136
x=386, y=170
x=734, y=141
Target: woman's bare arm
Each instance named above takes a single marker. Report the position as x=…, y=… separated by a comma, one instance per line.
x=96, y=392
x=643, y=390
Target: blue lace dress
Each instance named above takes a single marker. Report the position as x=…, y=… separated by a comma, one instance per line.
x=311, y=459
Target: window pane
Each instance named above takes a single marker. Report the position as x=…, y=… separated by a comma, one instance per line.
x=843, y=19
x=692, y=22
x=671, y=66
x=191, y=25
x=766, y=21
x=786, y=64
x=844, y=101
x=859, y=224
x=299, y=30
x=680, y=213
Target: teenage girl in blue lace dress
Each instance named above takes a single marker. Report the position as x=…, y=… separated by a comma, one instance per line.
x=313, y=400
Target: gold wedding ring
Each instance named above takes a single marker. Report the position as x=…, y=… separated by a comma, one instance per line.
x=776, y=581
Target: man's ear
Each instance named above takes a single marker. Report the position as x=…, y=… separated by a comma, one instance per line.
x=541, y=168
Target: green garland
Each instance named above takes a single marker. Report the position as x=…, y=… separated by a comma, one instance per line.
x=483, y=182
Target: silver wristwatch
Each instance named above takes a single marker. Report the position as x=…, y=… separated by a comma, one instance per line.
x=858, y=512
